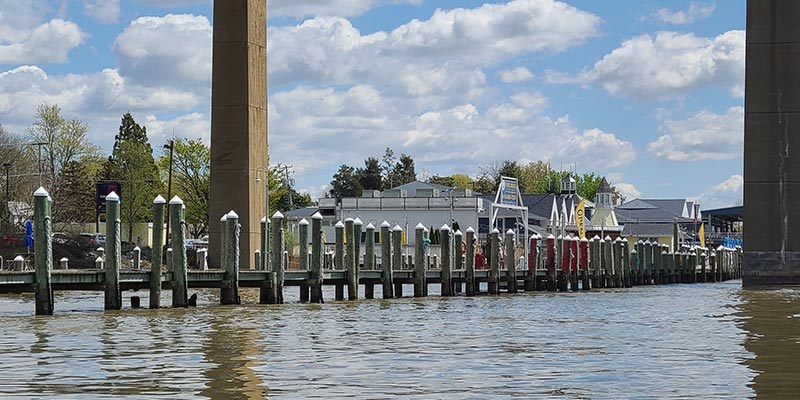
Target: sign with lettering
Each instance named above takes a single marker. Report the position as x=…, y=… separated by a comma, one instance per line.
x=509, y=191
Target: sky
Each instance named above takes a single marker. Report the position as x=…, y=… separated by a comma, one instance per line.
x=648, y=93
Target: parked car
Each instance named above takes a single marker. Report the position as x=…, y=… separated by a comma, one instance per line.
x=95, y=239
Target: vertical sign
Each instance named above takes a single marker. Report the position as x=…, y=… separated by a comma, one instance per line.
x=509, y=191
x=580, y=218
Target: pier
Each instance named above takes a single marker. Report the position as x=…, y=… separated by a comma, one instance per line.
x=553, y=264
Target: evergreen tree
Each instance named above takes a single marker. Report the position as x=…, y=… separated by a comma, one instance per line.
x=403, y=171
x=370, y=176
x=77, y=200
x=345, y=183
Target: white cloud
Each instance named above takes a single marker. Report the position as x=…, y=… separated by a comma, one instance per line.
x=666, y=65
x=516, y=75
x=726, y=194
x=341, y=8
x=190, y=126
x=703, y=136
x=49, y=42
x=628, y=190
x=695, y=12
x=173, y=50
x=103, y=11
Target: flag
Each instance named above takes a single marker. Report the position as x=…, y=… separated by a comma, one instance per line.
x=580, y=219
x=702, y=234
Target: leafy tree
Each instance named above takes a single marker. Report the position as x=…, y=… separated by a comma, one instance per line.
x=77, y=200
x=132, y=164
x=463, y=181
x=291, y=199
x=21, y=160
x=442, y=180
x=403, y=171
x=587, y=185
x=533, y=177
x=345, y=183
x=388, y=162
x=191, y=180
x=370, y=176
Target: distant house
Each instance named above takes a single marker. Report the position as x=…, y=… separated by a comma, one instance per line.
x=657, y=219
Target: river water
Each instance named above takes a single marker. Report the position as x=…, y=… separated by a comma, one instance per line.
x=679, y=341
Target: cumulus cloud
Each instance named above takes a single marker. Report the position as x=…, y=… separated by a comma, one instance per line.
x=173, y=50
x=49, y=42
x=695, y=12
x=516, y=75
x=103, y=11
x=666, y=65
x=341, y=8
x=190, y=126
x=726, y=194
x=703, y=136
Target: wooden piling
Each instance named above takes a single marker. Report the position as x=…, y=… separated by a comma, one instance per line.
x=62, y=263
x=264, y=239
x=386, y=260
x=550, y=262
x=634, y=265
x=458, y=257
x=420, y=280
x=350, y=259
x=511, y=262
x=397, y=257
x=469, y=273
x=533, y=256
x=43, y=248
x=562, y=254
x=113, y=295
x=338, y=254
x=137, y=258
x=369, y=247
x=626, y=264
x=180, y=278
x=302, y=227
x=156, y=257
x=583, y=262
x=358, y=226
x=229, y=293
x=316, y=258
x=447, y=268
x=223, y=227
x=494, y=262
x=277, y=249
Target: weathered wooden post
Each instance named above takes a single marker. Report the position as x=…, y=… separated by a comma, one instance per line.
x=510, y=261
x=704, y=271
x=229, y=294
x=338, y=259
x=574, y=260
x=533, y=248
x=302, y=227
x=619, y=272
x=583, y=265
x=62, y=263
x=469, y=274
x=350, y=259
x=634, y=262
x=43, y=248
x=562, y=254
x=626, y=264
x=113, y=295
x=99, y=263
x=223, y=228
x=157, y=255
x=180, y=279
x=458, y=257
x=420, y=280
x=169, y=259
x=137, y=258
x=494, y=262
x=369, y=258
x=447, y=271
x=386, y=260
x=397, y=256
x=550, y=262
x=264, y=264
x=316, y=258
x=647, y=261
x=358, y=226
x=657, y=267
x=277, y=249
x=202, y=259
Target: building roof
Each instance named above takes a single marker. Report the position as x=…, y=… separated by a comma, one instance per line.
x=305, y=212
x=648, y=230
x=648, y=215
x=411, y=187
x=604, y=187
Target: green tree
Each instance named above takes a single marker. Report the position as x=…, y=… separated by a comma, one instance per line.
x=587, y=184
x=403, y=171
x=132, y=164
x=388, y=162
x=442, y=180
x=191, y=180
x=21, y=160
x=463, y=181
x=345, y=183
x=533, y=177
x=77, y=200
x=370, y=176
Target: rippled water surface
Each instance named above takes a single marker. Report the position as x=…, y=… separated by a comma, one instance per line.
x=679, y=341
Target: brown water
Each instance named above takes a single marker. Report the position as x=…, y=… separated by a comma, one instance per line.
x=679, y=341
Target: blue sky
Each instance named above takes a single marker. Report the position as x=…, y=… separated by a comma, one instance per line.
x=649, y=93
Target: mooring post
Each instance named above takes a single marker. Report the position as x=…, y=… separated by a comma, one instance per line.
x=458, y=257
x=550, y=262
x=113, y=295
x=530, y=281
x=229, y=294
x=397, y=257
x=277, y=249
x=338, y=259
x=447, y=268
x=316, y=258
x=563, y=266
x=494, y=262
x=137, y=258
x=157, y=255
x=62, y=263
x=358, y=226
x=99, y=263
x=626, y=264
x=584, y=262
x=350, y=259
x=420, y=280
x=169, y=259
x=386, y=260
x=202, y=259
x=634, y=262
x=369, y=259
x=180, y=279
x=264, y=239
x=469, y=273
x=511, y=262
x=223, y=242
x=43, y=249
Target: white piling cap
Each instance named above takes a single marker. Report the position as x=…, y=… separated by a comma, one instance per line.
x=41, y=192
x=159, y=200
x=618, y=239
x=647, y=242
x=232, y=215
x=49, y=199
x=113, y=196
x=608, y=238
x=65, y=259
x=19, y=258
x=98, y=259
x=397, y=228
x=458, y=232
x=258, y=251
x=602, y=240
x=263, y=220
x=176, y=200
x=445, y=228
x=316, y=215
x=303, y=222
x=560, y=237
x=510, y=232
x=385, y=224
x=223, y=218
x=624, y=240
x=137, y=248
x=551, y=237
x=358, y=221
x=370, y=226
x=596, y=237
x=584, y=240
x=277, y=215
x=470, y=230
x=101, y=249
x=720, y=248
x=420, y=226
x=349, y=220
x=495, y=230
x=339, y=224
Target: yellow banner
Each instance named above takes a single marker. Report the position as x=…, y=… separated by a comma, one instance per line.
x=702, y=234
x=580, y=219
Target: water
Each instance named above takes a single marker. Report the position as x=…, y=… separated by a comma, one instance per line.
x=678, y=341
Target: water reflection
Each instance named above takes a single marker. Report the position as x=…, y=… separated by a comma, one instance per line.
x=232, y=347
x=772, y=321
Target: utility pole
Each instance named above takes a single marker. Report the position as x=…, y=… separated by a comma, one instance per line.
x=288, y=183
